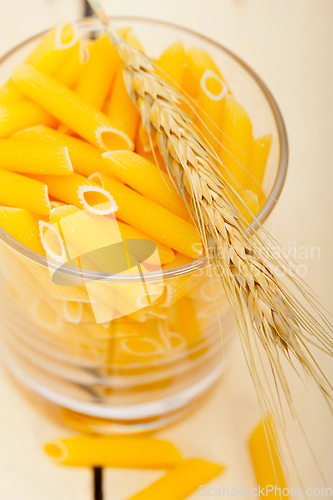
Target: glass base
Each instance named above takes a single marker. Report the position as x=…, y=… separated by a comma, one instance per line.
x=122, y=419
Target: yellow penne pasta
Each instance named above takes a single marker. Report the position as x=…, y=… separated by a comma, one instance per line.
x=84, y=157
x=236, y=140
x=197, y=62
x=122, y=111
x=185, y=319
x=153, y=219
x=131, y=39
x=172, y=63
x=75, y=190
x=212, y=91
x=98, y=73
x=258, y=161
x=56, y=204
x=181, y=481
x=70, y=109
x=47, y=57
x=36, y=158
x=23, y=114
x=142, y=149
x=71, y=69
x=23, y=226
x=129, y=232
x=145, y=178
x=179, y=260
x=265, y=457
x=58, y=213
x=114, y=451
x=22, y=192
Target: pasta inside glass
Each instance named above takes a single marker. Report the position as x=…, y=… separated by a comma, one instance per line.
x=132, y=348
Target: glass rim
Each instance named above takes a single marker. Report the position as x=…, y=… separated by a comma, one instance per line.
x=204, y=261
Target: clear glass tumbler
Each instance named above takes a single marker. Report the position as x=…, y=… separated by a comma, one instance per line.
x=145, y=369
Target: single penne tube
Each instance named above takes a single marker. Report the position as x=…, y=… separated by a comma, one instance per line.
x=179, y=260
x=153, y=219
x=265, y=455
x=27, y=157
x=98, y=73
x=196, y=63
x=44, y=315
x=84, y=157
x=23, y=114
x=79, y=191
x=122, y=111
x=54, y=47
x=22, y=192
x=172, y=63
x=212, y=91
x=71, y=69
x=23, y=226
x=236, y=143
x=179, y=482
x=114, y=451
x=185, y=319
x=70, y=109
x=258, y=161
x=144, y=177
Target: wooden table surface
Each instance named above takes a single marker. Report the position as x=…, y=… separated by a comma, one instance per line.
x=289, y=43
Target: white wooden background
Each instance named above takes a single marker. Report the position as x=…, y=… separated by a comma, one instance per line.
x=289, y=43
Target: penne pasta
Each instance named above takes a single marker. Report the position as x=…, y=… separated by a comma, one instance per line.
x=212, y=91
x=71, y=69
x=179, y=260
x=172, y=64
x=77, y=190
x=47, y=57
x=154, y=220
x=114, y=451
x=236, y=144
x=22, y=192
x=122, y=111
x=34, y=158
x=179, y=482
x=258, y=162
x=23, y=114
x=23, y=226
x=142, y=149
x=129, y=232
x=196, y=63
x=70, y=109
x=98, y=73
x=84, y=157
x=144, y=177
x=265, y=452
x=185, y=319
x=131, y=39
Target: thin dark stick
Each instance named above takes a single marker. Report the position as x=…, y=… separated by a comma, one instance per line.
x=87, y=9
x=98, y=483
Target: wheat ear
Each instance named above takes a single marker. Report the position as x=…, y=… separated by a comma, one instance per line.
x=261, y=302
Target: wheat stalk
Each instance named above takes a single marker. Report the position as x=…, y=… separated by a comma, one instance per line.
x=262, y=304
